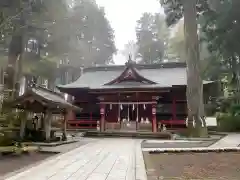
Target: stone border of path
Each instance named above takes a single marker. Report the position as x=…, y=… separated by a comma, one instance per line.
x=228, y=143
x=194, y=150
x=140, y=170
x=52, y=144
x=211, y=138
x=57, y=154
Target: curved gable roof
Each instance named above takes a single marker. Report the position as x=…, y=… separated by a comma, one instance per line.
x=130, y=74
x=161, y=75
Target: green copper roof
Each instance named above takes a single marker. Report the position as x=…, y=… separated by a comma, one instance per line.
x=164, y=75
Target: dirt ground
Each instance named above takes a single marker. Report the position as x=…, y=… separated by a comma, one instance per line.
x=193, y=166
x=13, y=163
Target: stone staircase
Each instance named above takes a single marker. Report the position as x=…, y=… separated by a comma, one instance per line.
x=129, y=126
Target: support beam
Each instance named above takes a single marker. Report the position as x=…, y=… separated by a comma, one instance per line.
x=154, y=118
x=23, y=127
x=137, y=118
x=64, y=127
x=102, y=120
x=70, y=115
x=174, y=116
x=47, y=126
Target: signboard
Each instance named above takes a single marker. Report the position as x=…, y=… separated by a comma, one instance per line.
x=153, y=110
x=102, y=111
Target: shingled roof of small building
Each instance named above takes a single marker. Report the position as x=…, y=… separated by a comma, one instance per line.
x=162, y=75
x=44, y=96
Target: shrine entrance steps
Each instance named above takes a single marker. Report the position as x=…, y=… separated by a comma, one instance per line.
x=132, y=134
x=129, y=126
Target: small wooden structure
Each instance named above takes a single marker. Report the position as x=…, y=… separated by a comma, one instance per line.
x=41, y=100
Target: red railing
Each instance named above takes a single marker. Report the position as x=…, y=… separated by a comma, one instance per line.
x=82, y=124
x=173, y=122
x=92, y=124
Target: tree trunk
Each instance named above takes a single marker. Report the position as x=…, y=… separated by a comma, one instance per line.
x=196, y=118
x=15, y=50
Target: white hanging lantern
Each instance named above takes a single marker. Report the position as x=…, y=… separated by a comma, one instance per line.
x=133, y=107
x=147, y=121
x=202, y=121
x=98, y=126
x=121, y=107
x=194, y=122
x=110, y=106
x=164, y=127
x=66, y=97
x=142, y=120
x=144, y=106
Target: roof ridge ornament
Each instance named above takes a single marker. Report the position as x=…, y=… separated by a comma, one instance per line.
x=130, y=61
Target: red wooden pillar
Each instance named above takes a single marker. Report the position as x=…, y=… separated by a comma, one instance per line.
x=102, y=120
x=91, y=118
x=174, y=107
x=154, y=118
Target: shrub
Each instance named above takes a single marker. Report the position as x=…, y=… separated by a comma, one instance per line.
x=228, y=122
x=235, y=110
x=6, y=138
x=210, y=109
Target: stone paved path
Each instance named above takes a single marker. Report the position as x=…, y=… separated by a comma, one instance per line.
x=106, y=159
x=231, y=140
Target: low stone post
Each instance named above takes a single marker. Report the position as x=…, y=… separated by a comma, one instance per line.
x=102, y=119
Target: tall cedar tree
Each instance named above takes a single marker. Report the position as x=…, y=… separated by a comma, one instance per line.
x=190, y=10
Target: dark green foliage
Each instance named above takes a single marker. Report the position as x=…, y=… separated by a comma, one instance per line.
x=174, y=10
x=8, y=137
x=223, y=104
x=221, y=29
x=90, y=36
x=152, y=36
x=210, y=109
x=228, y=123
x=45, y=31
x=229, y=117
x=5, y=140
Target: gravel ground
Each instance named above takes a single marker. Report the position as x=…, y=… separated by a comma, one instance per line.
x=190, y=166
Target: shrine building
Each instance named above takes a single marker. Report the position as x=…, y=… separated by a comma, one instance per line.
x=131, y=97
